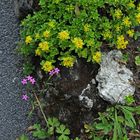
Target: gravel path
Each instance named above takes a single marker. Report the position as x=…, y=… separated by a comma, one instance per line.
x=13, y=119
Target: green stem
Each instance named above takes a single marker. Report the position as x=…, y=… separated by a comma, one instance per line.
x=40, y=108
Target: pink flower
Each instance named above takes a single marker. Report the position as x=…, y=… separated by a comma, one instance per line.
x=24, y=81
x=52, y=72
x=29, y=78
x=32, y=81
x=25, y=97
x=57, y=70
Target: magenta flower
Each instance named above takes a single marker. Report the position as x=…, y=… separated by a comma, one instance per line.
x=25, y=97
x=24, y=81
x=57, y=70
x=52, y=72
x=29, y=78
x=32, y=81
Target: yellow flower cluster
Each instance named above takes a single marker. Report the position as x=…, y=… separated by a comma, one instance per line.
x=121, y=43
x=46, y=34
x=44, y=46
x=63, y=35
x=118, y=13
x=78, y=42
x=68, y=61
x=130, y=33
x=38, y=52
x=126, y=21
x=138, y=18
x=86, y=27
x=97, y=57
x=47, y=66
x=28, y=39
x=131, y=4
x=107, y=35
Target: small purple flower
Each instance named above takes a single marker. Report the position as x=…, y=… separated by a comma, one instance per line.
x=57, y=70
x=25, y=97
x=24, y=81
x=29, y=78
x=52, y=72
x=32, y=81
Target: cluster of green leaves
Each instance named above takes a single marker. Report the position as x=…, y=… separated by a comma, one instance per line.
x=95, y=22
x=54, y=129
x=116, y=123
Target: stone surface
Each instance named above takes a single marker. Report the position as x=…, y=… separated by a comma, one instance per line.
x=13, y=111
x=114, y=79
x=73, y=97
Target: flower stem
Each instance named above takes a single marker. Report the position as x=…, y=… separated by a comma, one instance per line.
x=40, y=107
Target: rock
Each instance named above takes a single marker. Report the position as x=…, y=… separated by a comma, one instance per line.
x=74, y=95
x=24, y=7
x=114, y=79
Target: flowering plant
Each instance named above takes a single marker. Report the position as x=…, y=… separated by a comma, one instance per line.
x=65, y=30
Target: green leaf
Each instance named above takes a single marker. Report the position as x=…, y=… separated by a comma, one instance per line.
x=53, y=122
x=63, y=137
x=137, y=60
x=23, y=137
x=42, y=3
x=38, y=132
x=62, y=130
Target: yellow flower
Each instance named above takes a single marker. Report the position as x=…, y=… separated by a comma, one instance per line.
x=78, y=42
x=68, y=61
x=38, y=52
x=107, y=35
x=131, y=4
x=126, y=21
x=44, y=46
x=97, y=57
x=86, y=27
x=63, y=35
x=118, y=13
x=28, y=39
x=47, y=66
x=138, y=18
x=121, y=43
x=130, y=33
x=46, y=34
x=37, y=36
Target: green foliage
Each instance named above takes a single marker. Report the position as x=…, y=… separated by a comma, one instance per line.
x=57, y=35
x=39, y=132
x=63, y=131
x=129, y=100
x=54, y=127
x=52, y=123
x=28, y=68
x=114, y=123
x=23, y=137
x=137, y=60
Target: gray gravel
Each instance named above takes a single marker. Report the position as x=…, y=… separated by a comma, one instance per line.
x=13, y=118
